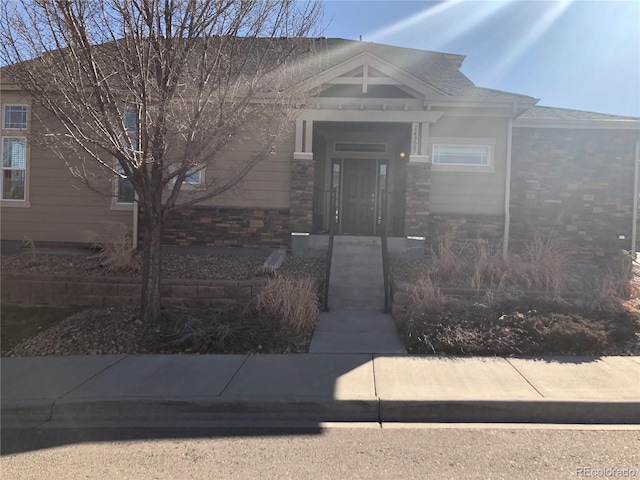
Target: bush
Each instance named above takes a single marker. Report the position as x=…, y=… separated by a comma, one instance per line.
x=524, y=327
x=117, y=253
x=425, y=296
x=294, y=302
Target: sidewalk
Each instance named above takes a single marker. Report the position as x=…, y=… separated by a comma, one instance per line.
x=320, y=388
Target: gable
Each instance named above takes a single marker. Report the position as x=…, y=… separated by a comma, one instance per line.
x=367, y=76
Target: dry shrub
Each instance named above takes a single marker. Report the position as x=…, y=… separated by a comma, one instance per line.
x=492, y=271
x=514, y=328
x=425, y=296
x=190, y=331
x=268, y=271
x=117, y=254
x=546, y=261
x=293, y=301
x=610, y=295
x=448, y=264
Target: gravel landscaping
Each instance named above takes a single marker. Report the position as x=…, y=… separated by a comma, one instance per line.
x=195, y=267
x=508, y=325
x=237, y=328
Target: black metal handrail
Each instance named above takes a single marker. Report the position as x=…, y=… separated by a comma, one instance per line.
x=327, y=268
x=385, y=249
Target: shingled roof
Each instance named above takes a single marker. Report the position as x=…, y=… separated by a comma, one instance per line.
x=553, y=113
x=437, y=69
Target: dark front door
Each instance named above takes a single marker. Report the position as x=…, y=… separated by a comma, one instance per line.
x=358, y=198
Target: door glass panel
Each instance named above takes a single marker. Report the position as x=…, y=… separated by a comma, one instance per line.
x=335, y=192
x=382, y=190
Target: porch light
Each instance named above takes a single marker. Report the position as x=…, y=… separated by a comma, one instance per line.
x=402, y=154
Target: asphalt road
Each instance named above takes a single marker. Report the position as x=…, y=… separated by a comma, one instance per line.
x=455, y=451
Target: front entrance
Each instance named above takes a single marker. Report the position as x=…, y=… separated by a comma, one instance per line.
x=360, y=187
x=359, y=197
x=359, y=179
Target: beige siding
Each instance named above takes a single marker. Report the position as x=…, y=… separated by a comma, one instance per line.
x=474, y=192
x=58, y=208
x=267, y=185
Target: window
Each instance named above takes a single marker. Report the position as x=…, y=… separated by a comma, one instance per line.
x=360, y=147
x=194, y=179
x=125, y=193
x=462, y=155
x=15, y=117
x=14, y=168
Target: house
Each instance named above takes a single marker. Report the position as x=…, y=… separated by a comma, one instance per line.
x=385, y=128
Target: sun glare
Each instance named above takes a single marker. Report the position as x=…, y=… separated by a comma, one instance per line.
x=459, y=16
x=528, y=38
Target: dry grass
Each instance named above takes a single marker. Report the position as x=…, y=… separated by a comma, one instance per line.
x=424, y=295
x=545, y=264
x=117, y=254
x=492, y=271
x=447, y=262
x=293, y=301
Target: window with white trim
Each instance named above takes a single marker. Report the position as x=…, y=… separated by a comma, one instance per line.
x=123, y=188
x=462, y=155
x=124, y=191
x=14, y=168
x=194, y=179
x=14, y=117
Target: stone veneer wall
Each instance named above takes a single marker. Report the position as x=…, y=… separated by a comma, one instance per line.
x=120, y=292
x=301, y=196
x=416, y=220
x=577, y=182
x=468, y=228
x=228, y=227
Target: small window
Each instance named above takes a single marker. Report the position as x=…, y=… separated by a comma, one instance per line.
x=130, y=120
x=15, y=117
x=462, y=155
x=14, y=168
x=194, y=179
x=360, y=147
x=125, y=193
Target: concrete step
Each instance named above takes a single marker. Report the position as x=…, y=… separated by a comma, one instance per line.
x=357, y=250
x=356, y=240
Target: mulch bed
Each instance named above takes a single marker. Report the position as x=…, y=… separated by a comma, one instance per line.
x=521, y=327
x=230, y=328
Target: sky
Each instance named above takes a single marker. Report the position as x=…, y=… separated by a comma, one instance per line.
x=578, y=54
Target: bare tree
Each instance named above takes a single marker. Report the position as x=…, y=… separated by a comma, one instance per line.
x=153, y=90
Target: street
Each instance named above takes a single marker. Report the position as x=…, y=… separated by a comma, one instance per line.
x=365, y=451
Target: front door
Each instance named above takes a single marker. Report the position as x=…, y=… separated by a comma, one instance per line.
x=359, y=196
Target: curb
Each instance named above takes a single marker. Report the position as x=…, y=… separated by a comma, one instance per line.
x=510, y=411
x=133, y=410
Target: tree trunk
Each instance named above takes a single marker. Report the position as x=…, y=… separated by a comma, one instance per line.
x=150, y=304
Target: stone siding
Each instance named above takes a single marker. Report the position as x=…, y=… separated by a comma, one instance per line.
x=101, y=292
x=416, y=220
x=576, y=182
x=228, y=227
x=301, y=196
x=488, y=229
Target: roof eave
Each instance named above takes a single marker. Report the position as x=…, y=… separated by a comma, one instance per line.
x=575, y=123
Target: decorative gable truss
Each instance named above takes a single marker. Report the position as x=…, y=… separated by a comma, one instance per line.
x=366, y=82
x=368, y=89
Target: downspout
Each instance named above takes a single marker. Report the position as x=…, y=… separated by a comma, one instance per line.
x=634, y=226
x=134, y=233
x=507, y=192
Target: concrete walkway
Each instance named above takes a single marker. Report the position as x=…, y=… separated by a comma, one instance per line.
x=355, y=331
x=142, y=389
